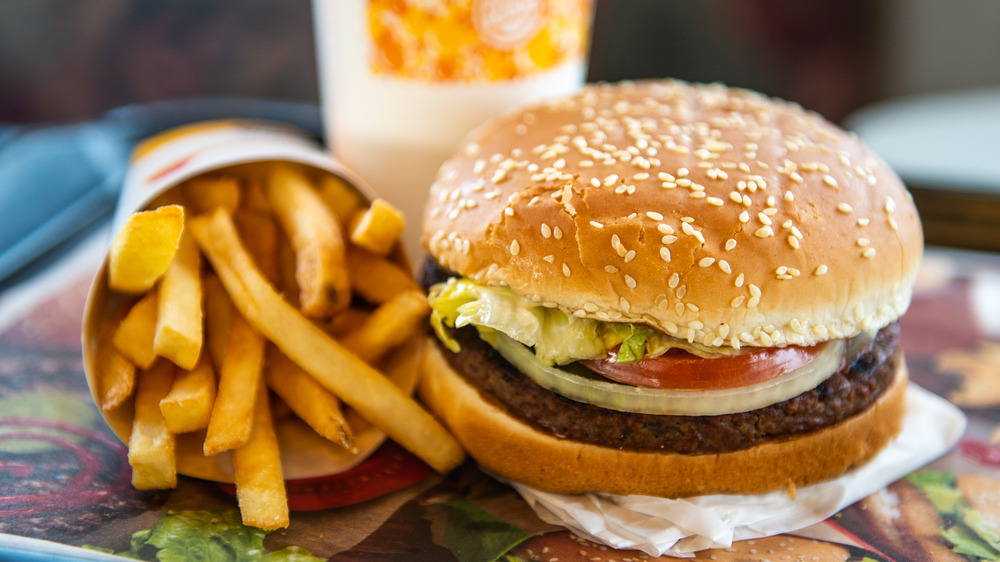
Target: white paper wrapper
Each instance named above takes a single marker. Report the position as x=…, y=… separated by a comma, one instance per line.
x=681, y=527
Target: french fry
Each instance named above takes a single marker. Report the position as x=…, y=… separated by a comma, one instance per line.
x=377, y=279
x=135, y=333
x=392, y=323
x=240, y=375
x=143, y=249
x=362, y=387
x=151, y=446
x=206, y=192
x=342, y=199
x=260, y=484
x=260, y=236
x=188, y=405
x=218, y=311
x=255, y=198
x=377, y=229
x=346, y=321
x=315, y=234
x=115, y=374
x=311, y=402
x=179, y=315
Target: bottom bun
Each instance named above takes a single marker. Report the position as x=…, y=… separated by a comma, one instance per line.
x=518, y=452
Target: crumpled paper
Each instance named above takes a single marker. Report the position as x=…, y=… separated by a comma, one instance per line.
x=681, y=527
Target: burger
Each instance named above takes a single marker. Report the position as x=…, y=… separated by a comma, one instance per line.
x=667, y=289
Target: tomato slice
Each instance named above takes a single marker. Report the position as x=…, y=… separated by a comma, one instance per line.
x=680, y=370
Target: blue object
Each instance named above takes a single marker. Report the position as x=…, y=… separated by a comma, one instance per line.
x=58, y=181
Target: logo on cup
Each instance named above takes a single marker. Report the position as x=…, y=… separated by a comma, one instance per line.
x=506, y=24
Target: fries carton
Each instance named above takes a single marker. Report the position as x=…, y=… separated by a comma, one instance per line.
x=171, y=169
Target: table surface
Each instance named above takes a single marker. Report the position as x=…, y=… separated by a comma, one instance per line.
x=64, y=477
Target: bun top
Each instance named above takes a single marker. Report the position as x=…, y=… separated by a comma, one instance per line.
x=716, y=215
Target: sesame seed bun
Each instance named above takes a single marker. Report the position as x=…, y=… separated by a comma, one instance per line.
x=716, y=215
x=519, y=452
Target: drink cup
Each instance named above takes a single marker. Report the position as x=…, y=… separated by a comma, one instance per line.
x=403, y=81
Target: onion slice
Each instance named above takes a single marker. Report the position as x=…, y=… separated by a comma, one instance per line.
x=643, y=400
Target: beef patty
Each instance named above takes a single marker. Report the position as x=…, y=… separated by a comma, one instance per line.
x=858, y=382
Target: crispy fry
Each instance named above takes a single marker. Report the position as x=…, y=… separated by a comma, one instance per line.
x=231, y=422
x=188, y=405
x=151, y=445
x=315, y=234
x=260, y=484
x=134, y=335
x=179, y=316
x=393, y=323
x=255, y=198
x=340, y=198
x=378, y=228
x=206, y=192
x=377, y=279
x=311, y=402
x=260, y=236
x=346, y=321
x=142, y=250
x=218, y=311
x=366, y=390
x=115, y=374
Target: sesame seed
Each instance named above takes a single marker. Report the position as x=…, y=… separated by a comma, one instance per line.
x=845, y=208
x=514, y=248
x=796, y=232
x=596, y=224
x=724, y=266
x=565, y=270
x=863, y=222
x=625, y=305
x=668, y=185
x=630, y=281
x=697, y=195
x=715, y=201
x=794, y=272
x=687, y=228
x=665, y=228
x=821, y=270
x=630, y=256
x=782, y=270
x=610, y=180
x=890, y=205
x=764, y=219
x=830, y=180
x=793, y=242
x=654, y=215
x=869, y=253
x=730, y=244
x=893, y=224
x=736, y=197
x=754, y=290
x=764, y=232
x=705, y=262
x=674, y=280
x=744, y=217
x=668, y=239
x=665, y=254
x=594, y=182
x=550, y=258
x=640, y=176
x=611, y=269
x=557, y=233
x=681, y=172
x=546, y=231
x=681, y=292
x=789, y=196
x=739, y=280
x=753, y=302
x=664, y=176
x=509, y=211
x=684, y=182
x=864, y=242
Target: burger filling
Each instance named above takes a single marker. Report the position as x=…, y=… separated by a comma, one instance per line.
x=550, y=370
